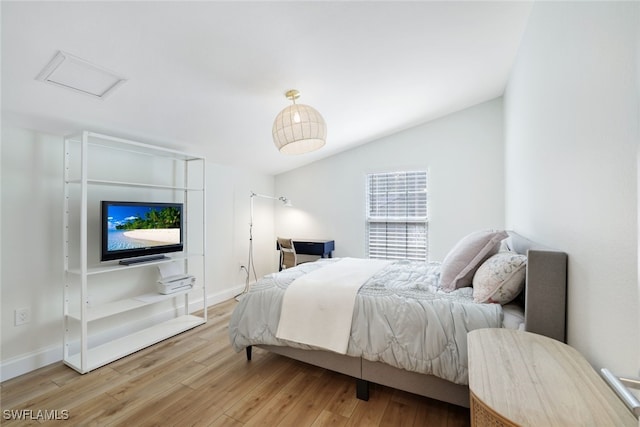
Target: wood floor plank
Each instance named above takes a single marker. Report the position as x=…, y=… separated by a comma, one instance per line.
x=196, y=379
x=260, y=392
x=193, y=410
x=80, y=390
x=457, y=416
x=176, y=348
x=232, y=388
x=15, y=392
x=152, y=379
x=370, y=413
x=308, y=404
x=279, y=404
x=327, y=418
x=344, y=400
x=217, y=348
x=312, y=401
x=437, y=415
x=145, y=415
x=92, y=412
x=398, y=414
x=225, y=421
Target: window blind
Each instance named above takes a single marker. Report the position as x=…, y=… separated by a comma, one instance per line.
x=397, y=226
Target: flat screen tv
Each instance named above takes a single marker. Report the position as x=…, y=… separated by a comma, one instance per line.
x=140, y=231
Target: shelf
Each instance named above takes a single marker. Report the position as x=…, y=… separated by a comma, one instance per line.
x=117, y=307
x=110, y=268
x=89, y=176
x=116, y=349
x=121, y=144
x=134, y=184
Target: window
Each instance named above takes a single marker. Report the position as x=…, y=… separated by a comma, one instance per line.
x=397, y=215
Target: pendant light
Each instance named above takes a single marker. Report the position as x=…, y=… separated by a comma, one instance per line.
x=298, y=128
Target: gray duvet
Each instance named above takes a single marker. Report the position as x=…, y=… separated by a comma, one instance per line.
x=400, y=318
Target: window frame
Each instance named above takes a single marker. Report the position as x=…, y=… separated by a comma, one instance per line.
x=414, y=223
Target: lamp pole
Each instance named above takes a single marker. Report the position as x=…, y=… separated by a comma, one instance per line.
x=250, y=264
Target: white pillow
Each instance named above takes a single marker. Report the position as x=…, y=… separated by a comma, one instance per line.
x=500, y=279
x=466, y=256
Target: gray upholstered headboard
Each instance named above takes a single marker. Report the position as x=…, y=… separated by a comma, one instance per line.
x=545, y=294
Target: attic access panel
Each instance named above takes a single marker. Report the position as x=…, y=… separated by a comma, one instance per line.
x=70, y=72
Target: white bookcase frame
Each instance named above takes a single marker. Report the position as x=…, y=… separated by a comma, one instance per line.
x=79, y=354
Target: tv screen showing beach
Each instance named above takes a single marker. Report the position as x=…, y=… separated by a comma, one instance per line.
x=141, y=226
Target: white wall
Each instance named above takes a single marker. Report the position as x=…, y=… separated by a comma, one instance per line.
x=31, y=243
x=31, y=246
x=638, y=167
x=571, y=132
x=463, y=153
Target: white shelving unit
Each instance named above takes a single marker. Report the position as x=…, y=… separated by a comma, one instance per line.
x=112, y=310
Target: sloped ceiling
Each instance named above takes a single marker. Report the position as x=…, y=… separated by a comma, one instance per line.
x=210, y=77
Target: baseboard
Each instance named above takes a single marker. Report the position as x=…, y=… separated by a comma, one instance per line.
x=23, y=364
x=26, y=363
x=225, y=295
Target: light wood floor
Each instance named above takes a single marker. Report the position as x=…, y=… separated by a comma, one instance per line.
x=196, y=379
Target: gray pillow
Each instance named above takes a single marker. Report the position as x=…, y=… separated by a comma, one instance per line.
x=466, y=256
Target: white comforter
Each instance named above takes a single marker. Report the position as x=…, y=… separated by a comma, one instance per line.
x=400, y=318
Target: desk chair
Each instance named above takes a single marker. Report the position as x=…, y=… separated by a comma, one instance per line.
x=288, y=256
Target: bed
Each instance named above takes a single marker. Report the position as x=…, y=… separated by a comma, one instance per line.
x=418, y=343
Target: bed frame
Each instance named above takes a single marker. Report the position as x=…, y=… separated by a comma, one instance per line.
x=544, y=300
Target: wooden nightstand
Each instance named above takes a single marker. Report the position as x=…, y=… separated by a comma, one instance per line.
x=522, y=379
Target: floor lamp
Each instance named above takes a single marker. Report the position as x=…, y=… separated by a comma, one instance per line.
x=250, y=264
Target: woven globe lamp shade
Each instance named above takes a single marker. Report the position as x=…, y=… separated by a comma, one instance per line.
x=299, y=129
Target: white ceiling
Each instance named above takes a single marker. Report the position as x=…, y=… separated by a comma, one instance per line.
x=210, y=77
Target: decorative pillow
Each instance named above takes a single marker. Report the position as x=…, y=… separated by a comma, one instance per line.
x=500, y=279
x=466, y=256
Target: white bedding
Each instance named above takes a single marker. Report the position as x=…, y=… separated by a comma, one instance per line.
x=325, y=297
x=513, y=317
x=400, y=318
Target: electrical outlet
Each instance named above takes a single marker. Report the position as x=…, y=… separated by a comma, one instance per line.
x=22, y=316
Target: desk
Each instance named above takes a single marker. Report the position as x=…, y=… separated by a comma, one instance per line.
x=518, y=378
x=322, y=248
